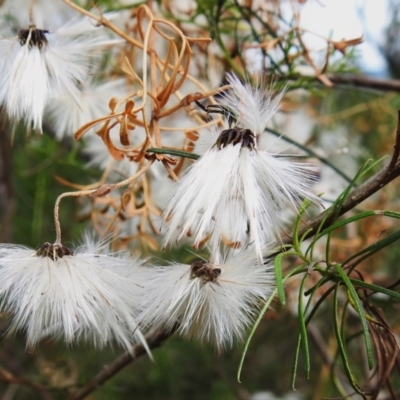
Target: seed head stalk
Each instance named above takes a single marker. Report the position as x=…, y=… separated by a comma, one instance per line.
x=100, y=191
x=31, y=4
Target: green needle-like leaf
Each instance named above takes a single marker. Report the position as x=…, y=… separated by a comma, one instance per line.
x=360, y=310
x=279, y=280
x=340, y=341
x=298, y=270
x=368, y=251
x=303, y=328
x=171, y=152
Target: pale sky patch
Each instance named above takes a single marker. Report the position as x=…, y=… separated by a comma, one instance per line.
x=348, y=19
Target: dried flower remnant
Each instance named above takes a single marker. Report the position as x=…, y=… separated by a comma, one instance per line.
x=91, y=102
x=53, y=292
x=234, y=136
x=212, y=301
x=53, y=251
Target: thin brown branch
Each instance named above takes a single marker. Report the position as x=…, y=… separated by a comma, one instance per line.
x=396, y=151
x=154, y=340
x=6, y=376
x=351, y=80
x=319, y=74
x=321, y=345
x=366, y=82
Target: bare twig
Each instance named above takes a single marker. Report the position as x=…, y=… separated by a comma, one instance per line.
x=366, y=82
x=319, y=74
x=359, y=81
x=320, y=344
x=153, y=340
x=6, y=376
x=101, y=191
x=396, y=151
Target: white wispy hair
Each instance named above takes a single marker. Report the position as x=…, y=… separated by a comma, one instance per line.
x=252, y=107
x=91, y=294
x=235, y=193
x=37, y=64
x=215, y=305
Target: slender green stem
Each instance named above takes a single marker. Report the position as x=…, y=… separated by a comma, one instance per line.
x=171, y=152
x=296, y=271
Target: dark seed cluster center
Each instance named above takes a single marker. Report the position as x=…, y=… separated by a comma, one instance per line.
x=37, y=37
x=234, y=136
x=204, y=270
x=53, y=251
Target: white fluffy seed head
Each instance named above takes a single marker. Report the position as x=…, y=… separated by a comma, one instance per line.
x=215, y=305
x=235, y=196
x=24, y=82
x=236, y=193
x=33, y=71
x=91, y=295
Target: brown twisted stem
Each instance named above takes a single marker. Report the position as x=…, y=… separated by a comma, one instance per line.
x=6, y=376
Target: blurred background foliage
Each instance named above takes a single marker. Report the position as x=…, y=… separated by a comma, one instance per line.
x=345, y=124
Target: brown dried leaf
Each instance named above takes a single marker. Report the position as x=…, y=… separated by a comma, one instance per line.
x=123, y=133
x=129, y=106
x=192, y=135
x=115, y=153
x=342, y=45
x=112, y=103
x=81, y=131
x=149, y=241
x=202, y=242
x=190, y=98
x=169, y=160
x=233, y=245
x=325, y=80
x=126, y=198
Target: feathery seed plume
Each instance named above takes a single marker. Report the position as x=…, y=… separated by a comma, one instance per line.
x=211, y=301
x=53, y=292
x=236, y=192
